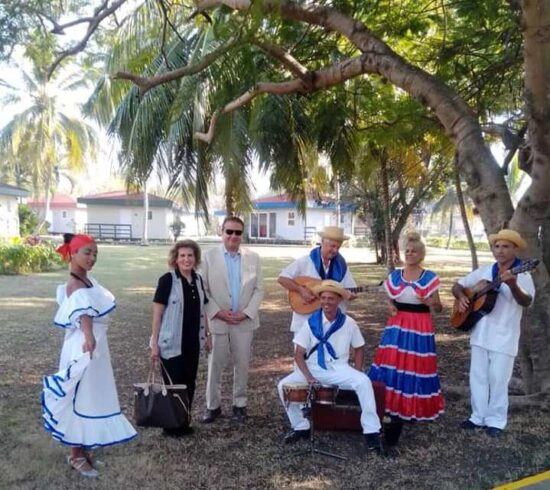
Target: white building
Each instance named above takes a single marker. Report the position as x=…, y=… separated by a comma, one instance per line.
x=65, y=215
x=9, y=203
x=277, y=218
x=120, y=216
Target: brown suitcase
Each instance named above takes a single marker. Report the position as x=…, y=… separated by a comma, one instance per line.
x=345, y=414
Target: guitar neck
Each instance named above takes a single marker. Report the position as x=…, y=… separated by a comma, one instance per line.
x=528, y=265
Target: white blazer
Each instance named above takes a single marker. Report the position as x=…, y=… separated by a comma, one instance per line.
x=216, y=284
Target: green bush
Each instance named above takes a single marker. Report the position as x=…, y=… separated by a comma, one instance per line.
x=441, y=242
x=25, y=259
x=28, y=221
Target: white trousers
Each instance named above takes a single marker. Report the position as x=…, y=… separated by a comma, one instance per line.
x=490, y=373
x=235, y=346
x=346, y=378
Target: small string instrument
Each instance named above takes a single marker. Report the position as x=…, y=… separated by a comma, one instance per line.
x=483, y=297
x=296, y=301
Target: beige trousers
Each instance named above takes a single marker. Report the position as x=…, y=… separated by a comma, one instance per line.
x=235, y=346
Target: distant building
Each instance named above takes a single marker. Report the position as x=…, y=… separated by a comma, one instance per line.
x=277, y=218
x=65, y=215
x=10, y=197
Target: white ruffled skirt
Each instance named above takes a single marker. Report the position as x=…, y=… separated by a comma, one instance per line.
x=80, y=402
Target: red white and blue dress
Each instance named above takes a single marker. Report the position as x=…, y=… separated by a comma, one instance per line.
x=406, y=360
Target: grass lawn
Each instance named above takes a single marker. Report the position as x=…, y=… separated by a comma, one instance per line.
x=223, y=455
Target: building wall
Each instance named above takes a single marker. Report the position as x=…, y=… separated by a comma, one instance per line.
x=9, y=216
x=290, y=225
x=126, y=215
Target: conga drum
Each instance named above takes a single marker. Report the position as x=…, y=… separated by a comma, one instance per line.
x=325, y=394
x=295, y=392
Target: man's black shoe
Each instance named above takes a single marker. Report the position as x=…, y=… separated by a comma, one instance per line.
x=211, y=415
x=372, y=442
x=295, y=435
x=469, y=425
x=493, y=431
x=239, y=414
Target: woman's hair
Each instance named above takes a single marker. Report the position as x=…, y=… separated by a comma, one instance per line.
x=414, y=239
x=173, y=253
x=67, y=237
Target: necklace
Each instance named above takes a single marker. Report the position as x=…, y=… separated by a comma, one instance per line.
x=85, y=281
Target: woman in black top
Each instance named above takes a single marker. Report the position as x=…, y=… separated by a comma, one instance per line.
x=179, y=327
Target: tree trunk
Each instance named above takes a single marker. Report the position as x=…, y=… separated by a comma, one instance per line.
x=462, y=205
x=532, y=211
x=450, y=234
x=145, y=237
x=386, y=211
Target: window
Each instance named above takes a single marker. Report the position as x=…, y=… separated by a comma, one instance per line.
x=64, y=214
x=291, y=218
x=263, y=225
x=149, y=214
x=342, y=218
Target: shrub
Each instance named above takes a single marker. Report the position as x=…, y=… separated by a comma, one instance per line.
x=28, y=221
x=19, y=258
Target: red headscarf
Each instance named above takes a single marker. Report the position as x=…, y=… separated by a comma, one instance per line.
x=76, y=243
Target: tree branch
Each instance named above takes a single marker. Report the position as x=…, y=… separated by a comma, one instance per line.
x=93, y=23
x=145, y=84
x=319, y=79
x=286, y=59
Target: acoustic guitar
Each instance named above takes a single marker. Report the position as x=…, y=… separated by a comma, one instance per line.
x=483, y=297
x=297, y=303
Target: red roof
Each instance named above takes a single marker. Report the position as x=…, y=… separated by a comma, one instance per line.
x=278, y=198
x=122, y=198
x=58, y=201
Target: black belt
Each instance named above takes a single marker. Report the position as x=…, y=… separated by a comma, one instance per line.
x=410, y=307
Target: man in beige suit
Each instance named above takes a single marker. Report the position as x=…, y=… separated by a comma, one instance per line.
x=233, y=282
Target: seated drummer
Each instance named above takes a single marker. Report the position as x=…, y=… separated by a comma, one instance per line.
x=322, y=354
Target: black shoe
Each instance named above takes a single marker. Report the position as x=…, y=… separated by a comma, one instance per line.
x=239, y=414
x=211, y=415
x=469, y=425
x=372, y=442
x=493, y=431
x=295, y=435
x=181, y=432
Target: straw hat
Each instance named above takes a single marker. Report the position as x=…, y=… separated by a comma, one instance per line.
x=510, y=236
x=333, y=233
x=329, y=286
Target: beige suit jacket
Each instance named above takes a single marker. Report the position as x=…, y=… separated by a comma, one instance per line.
x=216, y=284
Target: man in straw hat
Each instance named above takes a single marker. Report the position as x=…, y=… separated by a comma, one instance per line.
x=321, y=356
x=494, y=339
x=323, y=262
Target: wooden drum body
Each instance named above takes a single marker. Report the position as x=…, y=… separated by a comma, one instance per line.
x=295, y=392
x=325, y=394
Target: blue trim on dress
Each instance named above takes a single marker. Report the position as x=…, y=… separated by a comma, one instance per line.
x=99, y=315
x=405, y=383
x=97, y=444
x=90, y=416
x=54, y=378
x=410, y=341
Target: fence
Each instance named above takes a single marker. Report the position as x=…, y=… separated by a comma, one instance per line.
x=105, y=231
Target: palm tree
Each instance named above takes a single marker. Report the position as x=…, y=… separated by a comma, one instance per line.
x=43, y=141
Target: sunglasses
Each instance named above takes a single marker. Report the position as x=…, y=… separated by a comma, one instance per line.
x=237, y=232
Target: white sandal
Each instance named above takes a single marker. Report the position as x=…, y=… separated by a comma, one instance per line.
x=82, y=466
x=94, y=463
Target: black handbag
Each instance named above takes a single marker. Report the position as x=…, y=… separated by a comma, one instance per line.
x=160, y=404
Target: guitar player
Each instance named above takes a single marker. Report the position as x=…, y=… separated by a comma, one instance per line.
x=323, y=262
x=494, y=339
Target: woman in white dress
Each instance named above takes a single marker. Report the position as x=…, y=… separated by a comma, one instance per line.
x=80, y=403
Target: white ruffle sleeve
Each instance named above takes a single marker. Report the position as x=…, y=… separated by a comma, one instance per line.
x=94, y=302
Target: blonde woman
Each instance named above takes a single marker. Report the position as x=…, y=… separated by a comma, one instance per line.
x=405, y=360
x=179, y=327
